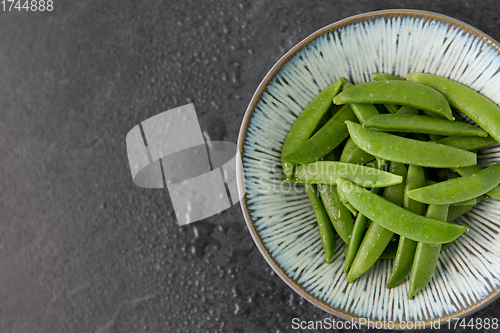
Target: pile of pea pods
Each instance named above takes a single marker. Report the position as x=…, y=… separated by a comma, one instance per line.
x=389, y=164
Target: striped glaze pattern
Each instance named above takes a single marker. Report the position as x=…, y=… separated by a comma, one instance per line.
x=280, y=217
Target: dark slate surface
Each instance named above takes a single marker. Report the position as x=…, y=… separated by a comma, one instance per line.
x=82, y=249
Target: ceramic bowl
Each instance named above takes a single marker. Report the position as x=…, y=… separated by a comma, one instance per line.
x=280, y=218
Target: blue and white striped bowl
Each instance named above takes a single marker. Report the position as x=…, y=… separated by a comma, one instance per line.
x=281, y=220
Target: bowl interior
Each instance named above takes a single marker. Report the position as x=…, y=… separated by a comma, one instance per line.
x=280, y=217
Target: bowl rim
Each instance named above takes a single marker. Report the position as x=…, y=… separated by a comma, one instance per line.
x=427, y=15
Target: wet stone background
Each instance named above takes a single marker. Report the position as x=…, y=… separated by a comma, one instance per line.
x=82, y=249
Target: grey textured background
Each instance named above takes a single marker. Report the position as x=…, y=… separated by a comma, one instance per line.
x=82, y=249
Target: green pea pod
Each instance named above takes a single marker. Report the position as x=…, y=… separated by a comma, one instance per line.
x=405, y=109
x=372, y=246
x=465, y=171
x=346, y=203
x=426, y=255
x=334, y=109
x=339, y=215
x=327, y=172
x=377, y=237
x=360, y=225
x=390, y=251
x=455, y=212
x=435, y=137
x=459, y=189
x=413, y=94
x=382, y=164
x=354, y=154
x=326, y=139
x=396, y=193
x=329, y=157
x=358, y=232
x=471, y=103
x=466, y=203
x=422, y=124
x=392, y=108
x=351, y=208
x=467, y=142
x=406, y=247
x=386, y=77
x=324, y=225
x=414, y=180
x=362, y=111
x=402, y=262
x=306, y=123
x=398, y=219
x=409, y=151
x=494, y=193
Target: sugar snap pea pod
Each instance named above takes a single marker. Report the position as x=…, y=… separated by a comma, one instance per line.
x=409, y=151
x=494, y=193
x=459, y=189
x=324, y=225
x=362, y=111
x=466, y=203
x=430, y=114
x=325, y=140
x=306, y=123
x=377, y=237
x=358, y=232
x=386, y=77
x=398, y=219
x=482, y=197
x=436, y=137
x=467, y=142
x=402, y=262
x=360, y=225
x=351, y=208
x=346, y=203
x=455, y=212
x=406, y=247
x=426, y=255
x=329, y=157
x=392, y=108
x=422, y=124
x=372, y=246
x=390, y=251
x=471, y=103
x=339, y=215
x=381, y=164
x=334, y=109
x=413, y=94
x=465, y=171
x=354, y=154
x=405, y=109
x=327, y=172
x=395, y=193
